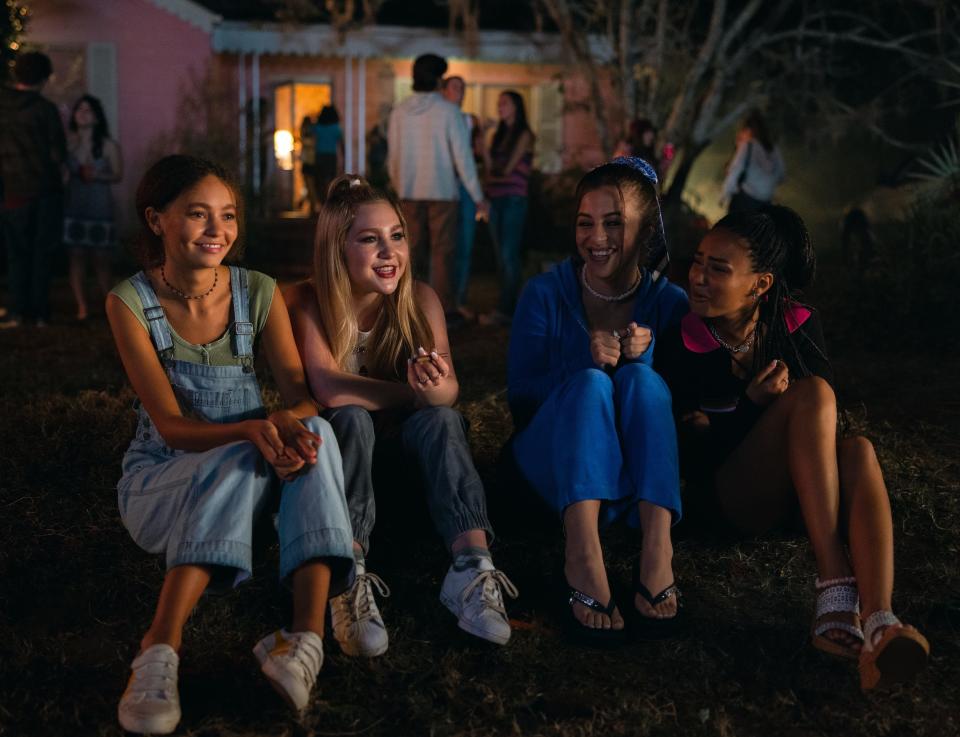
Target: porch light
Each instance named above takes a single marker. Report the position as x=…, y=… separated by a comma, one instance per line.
x=283, y=149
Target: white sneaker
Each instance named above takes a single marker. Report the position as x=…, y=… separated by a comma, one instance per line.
x=356, y=620
x=151, y=703
x=291, y=662
x=472, y=591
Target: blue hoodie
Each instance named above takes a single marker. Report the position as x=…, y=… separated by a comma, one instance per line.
x=550, y=337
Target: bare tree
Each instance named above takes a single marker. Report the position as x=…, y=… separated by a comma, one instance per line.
x=342, y=14
x=694, y=68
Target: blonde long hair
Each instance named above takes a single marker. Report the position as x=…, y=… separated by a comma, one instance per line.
x=400, y=327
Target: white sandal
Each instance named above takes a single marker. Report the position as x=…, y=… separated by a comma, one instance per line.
x=898, y=654
x=838, y=608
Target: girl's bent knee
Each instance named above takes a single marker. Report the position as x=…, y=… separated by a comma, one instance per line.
x=857, y=453
x=320, y=427
x=591, y=381
x=813, y=389
x=442, y=416
x=350, y=416
x=637, y=373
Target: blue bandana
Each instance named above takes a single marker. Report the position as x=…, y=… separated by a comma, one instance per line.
x=641, y=165
x=659, y=259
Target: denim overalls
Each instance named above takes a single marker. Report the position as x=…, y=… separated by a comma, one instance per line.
x=200, y=508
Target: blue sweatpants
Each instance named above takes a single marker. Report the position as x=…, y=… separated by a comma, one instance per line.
x=604, y=437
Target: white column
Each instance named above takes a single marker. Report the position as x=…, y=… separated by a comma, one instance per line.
x=242, y=120
x=362, y=116
x=348, y=115
x=255, y=91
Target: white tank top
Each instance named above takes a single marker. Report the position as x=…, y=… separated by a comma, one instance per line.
x=356, y=360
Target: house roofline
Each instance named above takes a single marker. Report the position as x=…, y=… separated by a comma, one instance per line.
x=191, y=12
x=378, y=41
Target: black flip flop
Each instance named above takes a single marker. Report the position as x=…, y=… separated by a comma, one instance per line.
x=591, y=636
x=650, y=628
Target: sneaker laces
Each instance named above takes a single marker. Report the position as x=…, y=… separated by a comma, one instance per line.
x=491, y=585
x=359, y=601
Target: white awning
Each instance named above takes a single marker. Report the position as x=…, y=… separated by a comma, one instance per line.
x=191, y=12
x=378, y=41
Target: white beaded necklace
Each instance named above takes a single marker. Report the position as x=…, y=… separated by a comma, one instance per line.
x=607, y=298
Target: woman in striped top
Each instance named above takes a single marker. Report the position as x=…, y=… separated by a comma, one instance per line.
x=508, y=161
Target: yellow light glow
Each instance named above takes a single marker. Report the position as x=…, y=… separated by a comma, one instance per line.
x=283, y=149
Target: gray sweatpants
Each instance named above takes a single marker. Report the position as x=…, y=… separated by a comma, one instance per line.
x=435, y=438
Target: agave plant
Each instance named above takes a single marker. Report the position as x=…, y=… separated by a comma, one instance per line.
x=940, y=167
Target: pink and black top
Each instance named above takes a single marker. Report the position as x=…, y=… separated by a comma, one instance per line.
x=516, y=183
x=700, y=375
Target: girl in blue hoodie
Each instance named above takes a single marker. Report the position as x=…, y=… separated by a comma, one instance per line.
x=595, y=436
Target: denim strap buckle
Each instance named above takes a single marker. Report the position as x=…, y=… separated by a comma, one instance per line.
x=243, y=328
x=153, y=313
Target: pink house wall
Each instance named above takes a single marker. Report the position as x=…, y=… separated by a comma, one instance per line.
x=155, y=51
x=158, y=55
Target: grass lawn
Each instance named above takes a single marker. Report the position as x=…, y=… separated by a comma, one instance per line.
x=76, y=593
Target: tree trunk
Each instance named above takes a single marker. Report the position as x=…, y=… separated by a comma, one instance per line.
x=671, y=198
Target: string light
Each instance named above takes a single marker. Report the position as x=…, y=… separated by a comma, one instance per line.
x=12, y=28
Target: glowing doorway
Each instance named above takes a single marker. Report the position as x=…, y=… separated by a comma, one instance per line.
x=293, y=101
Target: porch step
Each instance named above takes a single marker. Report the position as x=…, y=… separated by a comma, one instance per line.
x=281, y=247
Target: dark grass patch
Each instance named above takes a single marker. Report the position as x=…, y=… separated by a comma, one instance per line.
x=76, y=593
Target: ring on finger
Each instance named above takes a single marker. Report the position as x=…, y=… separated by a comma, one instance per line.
x=422, y=381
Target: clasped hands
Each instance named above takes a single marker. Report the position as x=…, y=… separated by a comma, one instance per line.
x=607, y=348
x=425, y=374
x=285, y=443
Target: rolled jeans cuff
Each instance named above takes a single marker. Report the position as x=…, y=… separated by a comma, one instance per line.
x=333, y=544
x=226, y=553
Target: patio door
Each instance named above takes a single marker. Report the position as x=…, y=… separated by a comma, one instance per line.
x=292, y=102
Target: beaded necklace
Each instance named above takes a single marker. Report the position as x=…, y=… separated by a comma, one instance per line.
x=607, y=298
x=184, y=294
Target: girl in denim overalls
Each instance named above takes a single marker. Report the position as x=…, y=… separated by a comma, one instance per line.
x=206, y=459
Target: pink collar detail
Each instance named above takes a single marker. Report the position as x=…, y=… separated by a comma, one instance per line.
x=697, y=338
x=796, y=315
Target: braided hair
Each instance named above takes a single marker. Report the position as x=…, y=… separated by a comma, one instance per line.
x=778, y=243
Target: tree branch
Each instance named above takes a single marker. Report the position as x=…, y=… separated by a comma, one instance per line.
x=683, y=101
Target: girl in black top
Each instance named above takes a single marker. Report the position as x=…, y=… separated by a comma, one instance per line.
x=751, y=379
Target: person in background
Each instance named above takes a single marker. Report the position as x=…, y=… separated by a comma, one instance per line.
x=756, y=168
x=453, y=89
x=308, y=161
x=208, y=459
x=375, y=347
x=33, y=155
x=377, y=157
x=641, y=140
x=429, y=151
x=95, y=163
x=509, y=161
x=328, y=138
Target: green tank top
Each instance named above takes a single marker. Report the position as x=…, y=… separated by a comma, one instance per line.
x=218, y=352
